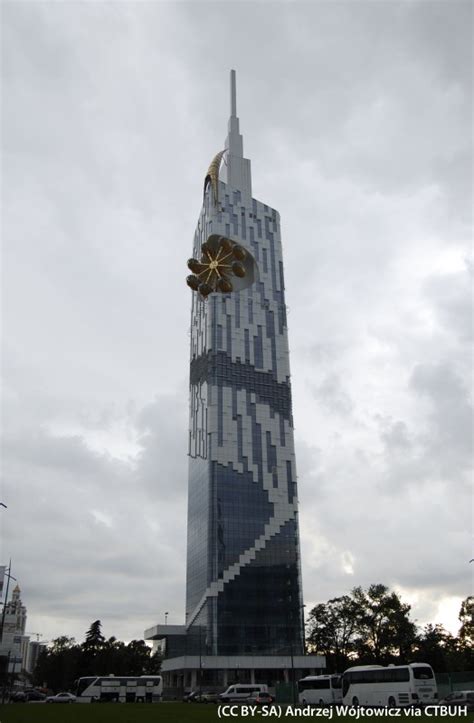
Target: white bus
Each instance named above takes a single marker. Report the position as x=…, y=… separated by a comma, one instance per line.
x=394, y=686
x=320, y=689
x=120, y=689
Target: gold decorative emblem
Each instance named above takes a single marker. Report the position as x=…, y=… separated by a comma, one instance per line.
x=222, y=266
x=212, y=175
x=220, y=263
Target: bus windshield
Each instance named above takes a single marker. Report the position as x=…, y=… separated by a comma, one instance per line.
x=422, y=673
x=83, y=683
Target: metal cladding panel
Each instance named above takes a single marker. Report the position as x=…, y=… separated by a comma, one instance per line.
x=243, y=547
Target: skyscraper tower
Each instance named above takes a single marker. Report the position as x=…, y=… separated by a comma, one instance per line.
x=243, y=587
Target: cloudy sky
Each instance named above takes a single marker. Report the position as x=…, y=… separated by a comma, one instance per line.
x=357, y=118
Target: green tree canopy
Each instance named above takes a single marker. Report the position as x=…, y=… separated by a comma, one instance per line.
x=385, y=633
x=370, y=626
x=331, y=630
x=437, y=647
x=62, y=643
x=60, y=665
x=94, y=638
x=466, y=633
x=374, y=626
x=466, y=618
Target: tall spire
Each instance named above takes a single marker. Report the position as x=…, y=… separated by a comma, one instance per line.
x=233, y=94
x=237, y=171
x=234, y=142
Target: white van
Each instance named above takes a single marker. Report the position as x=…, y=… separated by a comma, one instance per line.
x=242, y=691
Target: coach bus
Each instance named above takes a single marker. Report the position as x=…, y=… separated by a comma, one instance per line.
x=320, y=689
x=119, y=689
x=394, y=686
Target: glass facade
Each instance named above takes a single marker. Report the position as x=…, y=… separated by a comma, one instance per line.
x=243, y=591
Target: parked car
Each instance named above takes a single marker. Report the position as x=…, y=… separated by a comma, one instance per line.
x=27, y=695
x=196, y=696
x=460, y=697
x=209, y=697
x=61, y=698
x=261, y=698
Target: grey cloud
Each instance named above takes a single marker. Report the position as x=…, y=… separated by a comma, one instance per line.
x=162, y=462
x=450, y=435
x=402, y=529
x=332, y=394
x=41, y=449
x=107, y=416
x=321, y=354
x=106, y=574
x=395, y=435
x=308, y=458
x=452, y=297
x=440, y=35
x=438, y=448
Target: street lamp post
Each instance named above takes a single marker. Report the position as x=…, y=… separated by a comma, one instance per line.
x=293, y=696
x=303, y=629
x=289, y=636
x=200, y=664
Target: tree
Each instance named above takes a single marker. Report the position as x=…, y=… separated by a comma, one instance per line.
x=59, y=665
x=154, y=666
x=59, y=645
x=367, y=626
x=94, y=638
x=466, y=633
x=385, y=633
x=65, y=661
x=331, y=631
x=466, y=618
x=437, y=647
x=137, y=655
